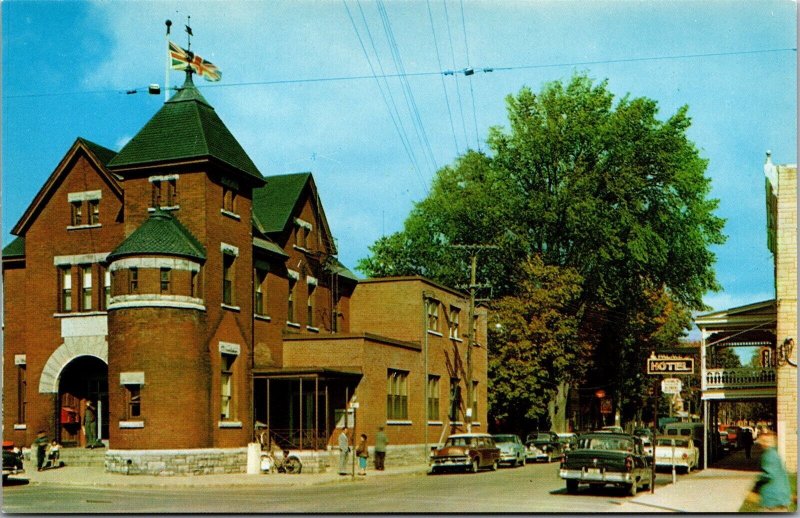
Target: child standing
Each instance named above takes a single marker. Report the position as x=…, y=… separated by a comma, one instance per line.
x=362, y=452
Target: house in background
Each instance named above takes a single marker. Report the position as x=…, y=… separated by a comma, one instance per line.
x=192, y=298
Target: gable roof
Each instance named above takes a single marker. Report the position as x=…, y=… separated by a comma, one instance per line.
x=97, y=154
x=274, y=203
x=161, y=234
x=15, y=248
x=186, y=127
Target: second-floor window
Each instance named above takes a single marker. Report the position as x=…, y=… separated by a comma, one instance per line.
x=290, y=308
x=106, y=288
x=310, y=313
x=229, y=199
x=433, y=398
x=133, y=280
x=86, y=288
x=165, y=279
x=227, y=279
x=260, y=292
x=455, y=315
x=433, y=315
x=65, y=288
x=76, y=209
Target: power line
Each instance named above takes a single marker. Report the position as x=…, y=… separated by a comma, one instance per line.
x=471, y=91
x=431, y=73
x=444, y=86
x=453, y=57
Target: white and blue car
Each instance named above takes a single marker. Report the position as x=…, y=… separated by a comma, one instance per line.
x=512, y=451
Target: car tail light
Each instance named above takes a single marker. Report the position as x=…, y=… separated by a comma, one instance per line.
x=628, y=463
x=563, y=462
x=685, y=455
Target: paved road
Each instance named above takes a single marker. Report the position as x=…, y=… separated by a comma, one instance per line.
x=533, y=488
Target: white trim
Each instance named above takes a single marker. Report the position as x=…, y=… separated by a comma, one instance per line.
x=162, y=178
x=168, y=208
x=79, y=314
x=152, y=303
x=173, y=263
x=311, y=280
x=69, y=260
x=22, y=426
x=435, y=333
x=303, y=223
x=83, y=227
x=293, y=274
x=312, y=329
x=131, y=424
x=265, y=318
x=435, y=423
x=225, y=247
x=229, y=424
x=230, y=214
x=229, y=348
x=293, y=324
x=20, y=359
x=229, y=307
x=402, y=422
x=84, y=196
x=131, y=378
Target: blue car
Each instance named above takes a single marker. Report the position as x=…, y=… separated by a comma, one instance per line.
x=512, y=451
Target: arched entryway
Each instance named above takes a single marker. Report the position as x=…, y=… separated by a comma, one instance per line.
x=82, y=379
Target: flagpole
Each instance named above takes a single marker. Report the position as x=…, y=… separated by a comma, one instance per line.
x=166, y=73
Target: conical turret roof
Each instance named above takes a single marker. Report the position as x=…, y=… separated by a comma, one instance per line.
x=186, y=127
x=161, y=234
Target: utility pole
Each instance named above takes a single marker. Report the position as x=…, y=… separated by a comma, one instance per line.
x=473, y=286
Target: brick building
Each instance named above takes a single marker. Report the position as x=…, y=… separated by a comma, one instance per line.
x=195, y=301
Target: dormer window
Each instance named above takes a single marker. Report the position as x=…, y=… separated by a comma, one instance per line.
x=302, y=231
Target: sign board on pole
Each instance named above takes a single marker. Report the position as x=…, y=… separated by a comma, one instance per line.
x=670, y=364
x=605, y=405
x=671, y=386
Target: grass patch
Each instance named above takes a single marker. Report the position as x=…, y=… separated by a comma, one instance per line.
x=748, y=507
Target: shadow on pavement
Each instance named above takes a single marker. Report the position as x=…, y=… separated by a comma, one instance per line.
x=13, y=481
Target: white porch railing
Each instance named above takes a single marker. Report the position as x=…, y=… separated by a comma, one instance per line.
x=739, y=378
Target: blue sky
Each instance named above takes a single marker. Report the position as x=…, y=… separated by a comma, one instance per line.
x=67, y=65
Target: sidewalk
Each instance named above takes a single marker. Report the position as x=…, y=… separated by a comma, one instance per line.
x=721, y=488
x=98, y=477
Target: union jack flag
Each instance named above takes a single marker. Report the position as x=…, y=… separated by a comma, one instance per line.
x=181, y=57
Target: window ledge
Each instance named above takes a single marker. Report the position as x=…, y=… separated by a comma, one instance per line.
x=82, y=227
x=230, y=214
x=20, y=427
x=265, y=318
x=229, y=424
x=402, y=422
x=435, y=423
x=170, y=207
x=131, y=424
x=293, y=324
x=231, y=308
x=456, y=339
x=76, y=314
x=434, y=333
x=312, y=329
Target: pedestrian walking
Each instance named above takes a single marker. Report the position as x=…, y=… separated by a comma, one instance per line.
x=90, y=425
x=39, y=448
x=381, y=441
x=772, y=489
x=344, y=449
x=362, y=452
x=747, y=442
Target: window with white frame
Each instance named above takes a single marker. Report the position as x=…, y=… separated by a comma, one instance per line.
x=310, y=300
x=76, y=211
x=455, y=315
x=166, y=275
x=455, y=399
x=22, y=392
x=227, y=389
x=397, y=394
x=94, y=212
x=432, y=308
x=228, y=278
x=290, y=301
x=65, y=289
x=260, y=292
x=86, y=287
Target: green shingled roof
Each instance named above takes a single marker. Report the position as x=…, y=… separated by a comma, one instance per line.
x=185, y=127
x=15, y=248
x=341, y=270
x=103, y=154
x=273, y=203
x=161, y=234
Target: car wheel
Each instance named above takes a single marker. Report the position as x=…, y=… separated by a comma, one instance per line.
x=572, y=486
x=520, y=462
x=633, y=488
x=474, y=465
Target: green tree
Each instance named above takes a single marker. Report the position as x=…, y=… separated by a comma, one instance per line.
x=535, y=345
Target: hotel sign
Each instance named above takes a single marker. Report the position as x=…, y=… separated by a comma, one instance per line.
x=670, y=364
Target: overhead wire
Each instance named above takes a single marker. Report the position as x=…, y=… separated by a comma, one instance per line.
x=453, y=58
x=444, y=86
x=471, y=91
x=408, y=93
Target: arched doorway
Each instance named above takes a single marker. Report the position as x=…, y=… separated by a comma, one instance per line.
x=82, y=379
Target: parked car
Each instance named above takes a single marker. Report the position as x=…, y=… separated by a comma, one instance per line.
x=568, y=441
x=466, y=451
x=607, y=458
x=693, y=431
x=12, y=460
x=544, y=446
x=612, y=428
x=647, y=445
x=643, y=432
x=679, y=451
x=512, y=451
x=734, y=437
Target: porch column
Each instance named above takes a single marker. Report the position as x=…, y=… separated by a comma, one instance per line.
x=301, y=416
x=705, y=435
